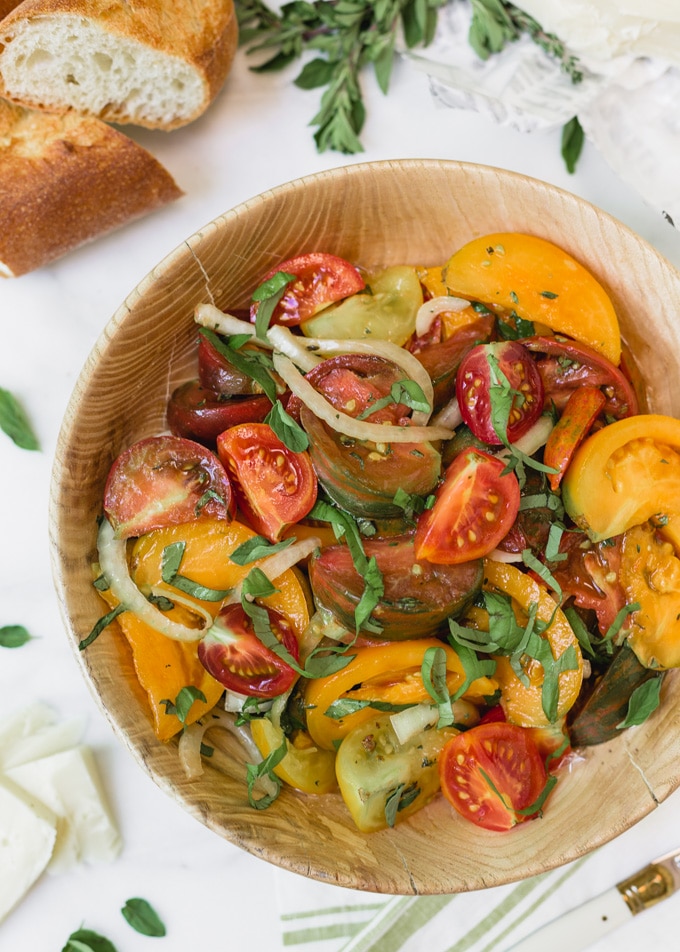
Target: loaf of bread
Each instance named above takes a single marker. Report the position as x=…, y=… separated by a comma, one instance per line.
x=152, y=63
x=65, y=179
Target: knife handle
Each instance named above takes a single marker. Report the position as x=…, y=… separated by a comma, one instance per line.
x=580, y=927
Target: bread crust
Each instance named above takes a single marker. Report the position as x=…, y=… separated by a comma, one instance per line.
x=66, y=179
x=201, y=33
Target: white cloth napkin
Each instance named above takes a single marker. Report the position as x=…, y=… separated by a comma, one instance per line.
x=319, y=917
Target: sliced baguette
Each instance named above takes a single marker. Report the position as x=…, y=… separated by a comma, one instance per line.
x=65, y=179
x=150, y=63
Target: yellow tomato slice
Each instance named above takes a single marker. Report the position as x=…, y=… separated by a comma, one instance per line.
x=541, y=283
x=163, y=666
x=305, y=767
x=623, y=475
x=523, y=703
x=650, y=575
x=389, y=672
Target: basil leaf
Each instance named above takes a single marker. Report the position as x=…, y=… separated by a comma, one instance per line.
x=253, y=363
x=142, y=917
x=374, y=589
x=398, y=799
x=267, y=296
x=433, y=673
x=182, y=704
x=286, y=428
x=85, y=940
x=257, y=548
x=13, y=636
x=265, y=769
x=15, y=423
x=171, y=560
x=542, y=571
x=100, y=625
x=643, y=701
x=573, y=139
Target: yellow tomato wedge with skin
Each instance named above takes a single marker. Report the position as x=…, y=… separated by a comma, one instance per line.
x=164, y=666
x=390, y=673
x=541, y=283
x=523, y=703
x=625, y=474
x=305, y=767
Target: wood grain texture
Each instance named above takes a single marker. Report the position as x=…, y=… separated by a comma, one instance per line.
x=388, y=212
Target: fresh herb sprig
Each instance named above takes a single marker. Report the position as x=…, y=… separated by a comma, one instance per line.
x=350, y=35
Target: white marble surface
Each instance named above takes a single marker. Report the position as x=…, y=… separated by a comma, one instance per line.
x=212, y=895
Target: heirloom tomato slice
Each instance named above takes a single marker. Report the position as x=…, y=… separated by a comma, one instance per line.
x=474, y=509
x=492, y=773
x=233, y=654
x=489, y=373
x=274, y=486
x=199, y=414
x=165, y=481
x=320, y=279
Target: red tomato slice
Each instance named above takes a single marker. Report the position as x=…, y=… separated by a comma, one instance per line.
x=165, y=481
x=491, y=772
x=591, y=574
x=473, y=510
x=199, y=414
x=274, y=486
x=568, y=365
x=582, y=409
x=474, y=392
x=233, y=654
x=322, y=279
x=216, y=373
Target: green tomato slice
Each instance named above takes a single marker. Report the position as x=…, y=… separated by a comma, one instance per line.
x=382, y=781
x=386, y=310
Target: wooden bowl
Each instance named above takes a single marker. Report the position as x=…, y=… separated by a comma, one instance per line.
x=413, y=212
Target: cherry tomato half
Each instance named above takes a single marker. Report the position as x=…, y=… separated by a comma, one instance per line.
x=474, y=509
x=478, y=380
x=491, y=772
x=165, y=481
x=199, y=414
x=216, y=373
x=274, y=486
x=321, y=279
x=233, y=654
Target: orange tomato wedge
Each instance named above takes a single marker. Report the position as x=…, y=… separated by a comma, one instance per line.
x=541, y=283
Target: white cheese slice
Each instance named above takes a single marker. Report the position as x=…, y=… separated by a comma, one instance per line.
x=68, y=784
x=32, y=733
x=28, y=832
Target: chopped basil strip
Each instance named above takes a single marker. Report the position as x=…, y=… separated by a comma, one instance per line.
x=407, y=392
x=286, y=428
x=183, y=703
x=252, y=362
x=265, y=769
x=267, y=296
x=85, y=940
x=542, y=571
x=400, y=798
x=171, y=559
x=142, y=917
x=100, y=625
x=433, y=673
x=13, y=636
x=617, y=624
x=345, y=706
x=257, y=548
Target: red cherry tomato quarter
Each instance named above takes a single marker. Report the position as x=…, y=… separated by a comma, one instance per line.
x=491, y=375
x=320, y=279
x=233, y=654
x=165, y=481
x=474, y=509
x=274, y=486
x=491, y=773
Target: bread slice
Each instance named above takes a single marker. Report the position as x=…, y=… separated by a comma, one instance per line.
x=152, y=63
x=65, y=179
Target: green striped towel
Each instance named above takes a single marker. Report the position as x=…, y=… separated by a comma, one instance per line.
x=319, y=917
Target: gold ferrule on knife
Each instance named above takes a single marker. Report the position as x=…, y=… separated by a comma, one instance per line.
x=647, y=887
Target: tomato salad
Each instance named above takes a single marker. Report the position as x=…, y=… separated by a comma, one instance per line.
x=410, y=531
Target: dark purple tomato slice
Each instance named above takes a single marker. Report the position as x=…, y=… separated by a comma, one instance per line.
x=442, y=359
x=418, y=596
x=216, y=373
x=491, y=373
x=165, y=481
x=200, y=414
x=233, y=654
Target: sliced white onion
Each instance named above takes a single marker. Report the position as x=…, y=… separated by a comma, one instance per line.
x=114, y=566
x=207, y=315
x=410, y=364
x=413, y=720
x=192, y=737
x=498, y=555
x=280, y=562
x=449, y=415
x=321, y=625
x=293, y=346
x=531, y=441
x=428, y=310
x=192, y=606
x=343, y=423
